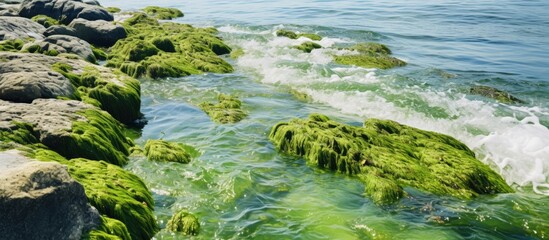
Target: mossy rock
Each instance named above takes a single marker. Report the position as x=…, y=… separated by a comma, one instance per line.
x=370, y=55
x=163, y=151
x=37, y=49
x=293, y=35
x=308, y=46
x=228, y=110
x=11, y=45
x=494, y=93
x=113, y=9
x=388, y=156
x=184, y=222
x=163, y=13
x=45, y=21
x=117, y=194
x=110, y=229
x=157, y=50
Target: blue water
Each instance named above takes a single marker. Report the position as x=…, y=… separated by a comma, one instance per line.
x=241, y=187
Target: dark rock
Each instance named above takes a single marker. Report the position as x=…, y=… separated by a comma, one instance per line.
x=60, y=30
x=19, y=28
x=39, y=200
x=98, y=32
x=65, y=44
x=64, y=10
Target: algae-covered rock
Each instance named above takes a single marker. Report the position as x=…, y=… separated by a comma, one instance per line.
x=168, y=49
x=64, y=10
x=388, y=156
x=110, y=228
x=185, y=223
x=117, y=194
x=163, y=151
x=11, y=45
x=293, y=35
x=494, y=93
x=308, y=46
x=113, y=9
x=236, y=53
x=163, y=13
x=228, y=110
x=370, y=55
x=71, y=128
x=45, y=20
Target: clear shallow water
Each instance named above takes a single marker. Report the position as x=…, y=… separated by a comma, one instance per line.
x=240, y=187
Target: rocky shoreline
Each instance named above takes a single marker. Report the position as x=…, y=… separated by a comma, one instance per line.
x=63, y=116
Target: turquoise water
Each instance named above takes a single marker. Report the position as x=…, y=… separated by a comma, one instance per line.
x=242, y=188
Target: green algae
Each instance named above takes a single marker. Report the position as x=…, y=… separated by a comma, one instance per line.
x=117, y=194
x=121, y=98
x=163, y=151
x=11, y=45
x=99, y=54
x=37, y=49
x=21, y=133
x=370, y=55
x=293, y=35
x=490, y=92
x=158, y=50
x=163, y=13
x=110, y=229
x=236, y=53
x=113, y=9
x=308, y=46
x=228, y=110
x=388, y=156
x=45, y=20
x=184, y=222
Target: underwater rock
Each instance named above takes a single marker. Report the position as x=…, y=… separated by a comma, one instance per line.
x=64, y=10
x=388, y=156
x=293, y=35
x=370, y=55
x=12, y=28
x=226, y=111
x=494, y=93
x=39, y=200
x=117, y=194
x=163, y=151
x=45, y=20
x=163, y=13
x=158, y=50
x=62, y=44
x=26, y=77
x=184, y=222
x=71, y=128
x=98, y=32
x=308, y=46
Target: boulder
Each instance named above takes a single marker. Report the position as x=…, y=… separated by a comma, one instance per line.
x=25, y=77
x=60, y=30
x=39, y=200
x=228, y=110
x=99, y=32
x=64, y=44
x=64, y=10
x=9, y=9
x=12, y=28
x=163, y=151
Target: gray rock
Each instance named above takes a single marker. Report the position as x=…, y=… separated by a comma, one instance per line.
x=98, y=32
x=65, y=44
x=39, y=200
x=19, y=28
x=9, y=9
x=25, y=77
x=60, y=30
x=64, y=10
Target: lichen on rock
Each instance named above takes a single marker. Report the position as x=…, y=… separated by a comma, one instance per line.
x=167, y=49
x=228, y=110
x=163, y=13
x=388, y=156
x=184, y=222
x=370, y=55
x=164, y=151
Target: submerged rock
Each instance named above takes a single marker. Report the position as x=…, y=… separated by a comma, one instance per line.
x=163, y=151
x=159, y=50
x=370, y=55
x=184, y=222
x=293, y=35
x=64, y=10
x=308, y=46
x=12, y=28
x=98, y=32
x=388, y=156
x=494, y=93
x=163, y=13
x=226, y=111
x=39, y=200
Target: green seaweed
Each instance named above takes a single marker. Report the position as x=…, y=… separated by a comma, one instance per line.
x=370, y=55
x=308, y=46
x=21, y=133
x=388, y=156
x=11, y=45
x=228, y=110
x=99, y=54
x=117, y=194
x=113, y=9
x=163, y=13
x=293, y=35
x=45, y=20
x=110, y=229
x=236, y=53
x=184, y=222
x=163, y=151
x=494, y=93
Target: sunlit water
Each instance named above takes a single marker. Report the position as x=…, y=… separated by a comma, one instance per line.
x=241, y=187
